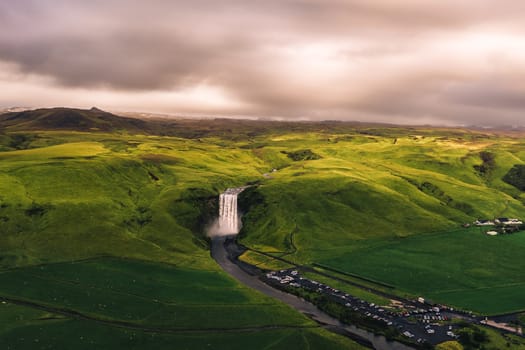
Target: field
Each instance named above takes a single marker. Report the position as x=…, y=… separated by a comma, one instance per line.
x=143, y=304
x=464, y=268
x=263, y=261
x=148, y=294
x=347, y=288
x=30, y=329
x=112, y=224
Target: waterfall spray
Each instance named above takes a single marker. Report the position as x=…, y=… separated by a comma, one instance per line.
x=228, y=222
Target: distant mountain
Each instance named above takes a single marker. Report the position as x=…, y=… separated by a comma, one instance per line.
x=14, y=109
x=97, y=120
x=61, y=118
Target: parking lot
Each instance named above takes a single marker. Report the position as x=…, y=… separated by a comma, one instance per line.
x=416, y=321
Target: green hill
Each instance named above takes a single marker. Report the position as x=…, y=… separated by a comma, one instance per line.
x=112, y=228
x=385, y=203
x=362, y=207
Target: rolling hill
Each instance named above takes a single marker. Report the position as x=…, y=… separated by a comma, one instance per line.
x=84, y=193
x=106, y=222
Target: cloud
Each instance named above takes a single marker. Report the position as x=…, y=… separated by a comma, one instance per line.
x=404, y=61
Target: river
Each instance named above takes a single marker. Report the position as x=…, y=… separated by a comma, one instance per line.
x=219, y=253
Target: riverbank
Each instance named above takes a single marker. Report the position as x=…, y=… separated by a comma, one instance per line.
x=247, y=275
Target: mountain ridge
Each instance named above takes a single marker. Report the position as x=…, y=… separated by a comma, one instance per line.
x=71, y=119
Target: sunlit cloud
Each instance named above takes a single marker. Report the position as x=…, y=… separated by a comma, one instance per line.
x=406, y=61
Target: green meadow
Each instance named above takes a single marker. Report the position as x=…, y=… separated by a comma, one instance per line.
x=123, y=303
x=27, y=328
x=112, y=224
x=464, y=268
x=146, y=294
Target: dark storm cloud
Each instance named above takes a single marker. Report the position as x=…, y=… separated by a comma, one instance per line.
x=408, y=61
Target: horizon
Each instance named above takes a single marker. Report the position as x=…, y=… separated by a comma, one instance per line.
x=147, y=116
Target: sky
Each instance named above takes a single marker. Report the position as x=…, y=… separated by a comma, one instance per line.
x=404, y=61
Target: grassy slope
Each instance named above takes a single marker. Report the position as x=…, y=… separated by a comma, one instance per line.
x=353, y=207
x=79, y=195
x=366, y=185
x=73, y=196
x=100, y=195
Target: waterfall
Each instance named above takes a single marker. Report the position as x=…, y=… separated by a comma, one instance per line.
x=228, y=214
